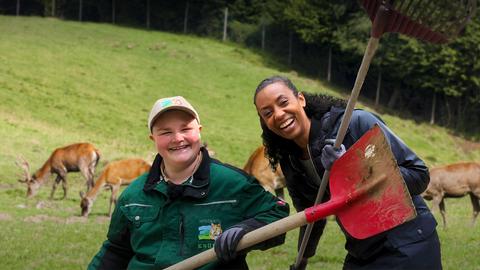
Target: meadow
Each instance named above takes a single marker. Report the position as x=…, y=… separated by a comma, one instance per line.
x=63, y=82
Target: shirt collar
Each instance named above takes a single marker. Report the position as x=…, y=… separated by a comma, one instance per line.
x=197, y=188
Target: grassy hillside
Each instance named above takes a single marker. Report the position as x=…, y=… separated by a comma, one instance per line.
x=64, y=82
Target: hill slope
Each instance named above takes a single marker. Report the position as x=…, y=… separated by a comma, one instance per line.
x=63, y=82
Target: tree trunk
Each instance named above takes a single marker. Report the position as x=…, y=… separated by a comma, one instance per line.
x=329, y=68
x=113, y=11
x=53, y=8
x=80, y=10
x=434, y=104
x=394, y=97
x=148, y=15
x=225, y=20
x=379, y=86
x=18, y=8
x=185, y=20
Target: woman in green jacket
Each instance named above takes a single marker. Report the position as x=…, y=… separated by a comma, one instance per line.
x=186, y=204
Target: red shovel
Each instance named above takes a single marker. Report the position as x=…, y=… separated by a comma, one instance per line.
x=369, y=196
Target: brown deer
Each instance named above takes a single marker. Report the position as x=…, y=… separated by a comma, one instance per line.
x=258, y=166
x=82, y=157
x=455, y=181
x=115, y=174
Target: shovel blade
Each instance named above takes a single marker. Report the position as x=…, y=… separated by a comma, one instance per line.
x=383, y=207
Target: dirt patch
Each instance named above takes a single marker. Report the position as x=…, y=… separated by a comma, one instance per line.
x=468, y=146
x=43, y=218
x=101, y=220
x=5, y=216
x=6, y=186
x=71, y=220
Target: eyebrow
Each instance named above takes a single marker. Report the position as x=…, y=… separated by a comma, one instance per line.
x=276, y=100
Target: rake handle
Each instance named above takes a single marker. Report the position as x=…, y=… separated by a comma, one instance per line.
x=362, y=73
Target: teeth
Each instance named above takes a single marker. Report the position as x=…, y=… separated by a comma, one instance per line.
x=286, y=123
x=178, y=147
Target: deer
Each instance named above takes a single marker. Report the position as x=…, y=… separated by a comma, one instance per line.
x=454, y=181
x=258, y=166
x=115, y=174
x=78, y=157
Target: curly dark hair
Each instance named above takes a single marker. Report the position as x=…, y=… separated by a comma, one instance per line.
x=316, y=105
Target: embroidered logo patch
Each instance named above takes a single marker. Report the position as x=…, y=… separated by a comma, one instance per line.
x=209, y=232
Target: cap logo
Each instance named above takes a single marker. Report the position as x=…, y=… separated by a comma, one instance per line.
x=175, y=102
x=166, y=103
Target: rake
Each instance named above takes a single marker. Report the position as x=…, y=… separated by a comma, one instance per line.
x=433, y=21
x=365, y=179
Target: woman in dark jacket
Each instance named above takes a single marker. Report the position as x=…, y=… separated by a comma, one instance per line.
x=296, y=127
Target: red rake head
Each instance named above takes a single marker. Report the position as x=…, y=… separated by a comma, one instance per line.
x=435, y=21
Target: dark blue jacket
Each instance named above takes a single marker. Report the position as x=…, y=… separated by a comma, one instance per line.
x=414, y=171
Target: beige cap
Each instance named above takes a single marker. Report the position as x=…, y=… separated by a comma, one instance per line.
x=170, y=103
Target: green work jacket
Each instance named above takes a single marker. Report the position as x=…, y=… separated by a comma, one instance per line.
x=154, y=226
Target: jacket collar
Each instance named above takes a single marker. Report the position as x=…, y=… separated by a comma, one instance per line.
x=321, y=128
x=199, y=186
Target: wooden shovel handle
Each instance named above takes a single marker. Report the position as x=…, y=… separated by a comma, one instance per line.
x=254, y=237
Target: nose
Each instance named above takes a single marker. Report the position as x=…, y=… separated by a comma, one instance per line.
x=278, y=114
x=177, y=137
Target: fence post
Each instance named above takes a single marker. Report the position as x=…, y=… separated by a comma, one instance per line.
x=290, y=44
x=113, y=11
x=263, y=36
x=329, y=67
x=148, y=14
x=225, y=24
x=185, y=20
x=80, y=10
x=18, y=8
x=379, y=86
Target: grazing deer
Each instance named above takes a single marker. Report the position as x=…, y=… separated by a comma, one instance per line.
x=115, y=174
x=259, y=166
x=455, y=181
x=82, y=157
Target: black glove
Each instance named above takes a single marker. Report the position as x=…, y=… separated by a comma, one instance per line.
x=301, y=266
x=330, y=154
x=226, y=243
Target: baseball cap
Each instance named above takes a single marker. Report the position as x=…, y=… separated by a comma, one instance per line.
x=170, y=103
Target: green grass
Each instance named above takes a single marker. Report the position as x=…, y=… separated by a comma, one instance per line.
x=64, y=82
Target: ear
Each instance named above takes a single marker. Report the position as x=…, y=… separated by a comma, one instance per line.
x=301, y=99
x=151, y=137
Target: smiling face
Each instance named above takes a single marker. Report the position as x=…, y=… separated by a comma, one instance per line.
x=176, y=135
x=283, y=113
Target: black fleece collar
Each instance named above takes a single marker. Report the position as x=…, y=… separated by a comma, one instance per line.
x=199, y=186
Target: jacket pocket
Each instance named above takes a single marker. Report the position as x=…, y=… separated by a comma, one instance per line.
x=139, y=213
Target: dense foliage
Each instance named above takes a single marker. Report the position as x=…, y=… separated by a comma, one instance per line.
x=439, y=83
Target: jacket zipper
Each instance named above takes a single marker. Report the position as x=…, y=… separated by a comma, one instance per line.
x=181, y=232
x=313, y=166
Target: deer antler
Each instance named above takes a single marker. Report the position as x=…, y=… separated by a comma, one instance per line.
x=23, y=164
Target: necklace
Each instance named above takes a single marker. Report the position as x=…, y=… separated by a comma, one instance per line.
x=197, y=161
